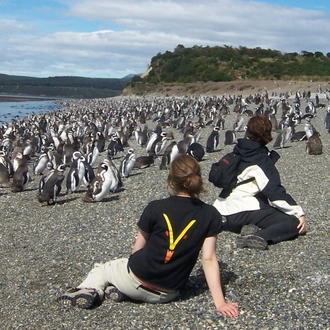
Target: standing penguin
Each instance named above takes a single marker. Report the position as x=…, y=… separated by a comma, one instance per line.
x=89, y=174
x=4, y=177
x=114, y=146
x=105, y=180
x=213, y=140
x=100, y=141
x=314, y=144
x=230, y=138
x=5, y=160
x=170, y=153
x=40, y=163
x=141, y=136
x=283, y=137
x=21, y=176
x=76, y=174
x=127, y=163
x=92, y=153
x=50, y=185
x=327, y=120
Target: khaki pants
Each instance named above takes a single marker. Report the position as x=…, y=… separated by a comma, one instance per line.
x=115, y=272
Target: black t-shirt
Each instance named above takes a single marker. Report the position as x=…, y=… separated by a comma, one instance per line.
x=178, y=227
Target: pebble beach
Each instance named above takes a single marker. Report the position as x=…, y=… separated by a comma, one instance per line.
x=47, y=249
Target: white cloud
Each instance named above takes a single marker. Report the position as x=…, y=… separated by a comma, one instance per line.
x=131, y=32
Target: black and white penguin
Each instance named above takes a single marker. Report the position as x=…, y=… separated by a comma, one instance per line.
x=184, y=144
x=141, y=136
x=105, y=180
x=116, y=182
x=196, y=150
x=76, y=174
x=114, y=146
x=89, y=174
x=50, y=185
x=298, y=136
x=230, y=138
x=5, y=160
x=127, y=163
x=213, y=140
x=100, y=141
x=21, y=176
x=327, y=120
x=283, y=137
x=40, y=163
x=170, y=153
x=4, y=177
x=153, y=140
x=239, y=123
x=92, y=154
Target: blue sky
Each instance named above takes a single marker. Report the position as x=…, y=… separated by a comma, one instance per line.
x=103, y=38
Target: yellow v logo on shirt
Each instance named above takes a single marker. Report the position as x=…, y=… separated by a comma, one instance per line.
x=172, y=242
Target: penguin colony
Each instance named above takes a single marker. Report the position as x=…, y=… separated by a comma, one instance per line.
x=86, y=146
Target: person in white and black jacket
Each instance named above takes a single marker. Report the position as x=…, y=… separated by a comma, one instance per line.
x=260, y=210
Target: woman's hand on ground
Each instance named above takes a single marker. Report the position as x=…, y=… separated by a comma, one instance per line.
x=302, y=225
x=228, y=309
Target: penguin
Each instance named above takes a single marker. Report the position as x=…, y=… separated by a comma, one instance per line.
x=299, y=136
x=89, y=174
x=40, y=163
x=184, y=144
x=314, y=144
x=127, y=163
x=327, y=120
x=239, y=123
x=196, y=150
x=308, y=128
x=283, y=137
x=140, y=136
x=16, y=157
x=4, y=177
x=114, y=146
x=170, y=153
x=21, y=176
x=105, y=180
x=116, y=182
x=5, y=160
x=230, y=138
x=76, y=174
x=144, y=161
x=213, y=140
x=92, y=154
x=50, y=185
x=100, y=141
x=159, y=146
x=153, y=140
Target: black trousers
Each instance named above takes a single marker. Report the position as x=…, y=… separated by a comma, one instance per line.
x=275, y=225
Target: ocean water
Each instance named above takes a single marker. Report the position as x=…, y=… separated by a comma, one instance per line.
x=19, y=110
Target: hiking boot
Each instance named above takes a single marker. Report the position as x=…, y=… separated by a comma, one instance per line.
x=111, y=292
x=82, y=298
x=249, y=230
x=252, y=242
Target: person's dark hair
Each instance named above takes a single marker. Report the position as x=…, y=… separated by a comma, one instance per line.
x=185, y=176
x=259, y=129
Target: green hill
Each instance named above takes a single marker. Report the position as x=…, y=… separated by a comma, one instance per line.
x=224, y=64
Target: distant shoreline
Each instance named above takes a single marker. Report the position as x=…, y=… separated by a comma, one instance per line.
x=25, y=98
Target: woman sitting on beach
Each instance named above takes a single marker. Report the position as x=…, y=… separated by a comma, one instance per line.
x=260, y=210
x=171, y=234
